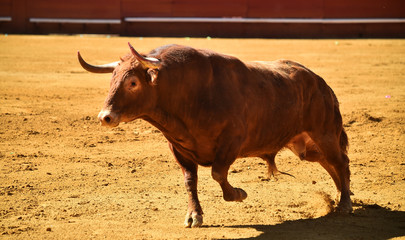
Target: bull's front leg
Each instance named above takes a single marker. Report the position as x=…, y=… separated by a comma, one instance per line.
x=219, y=173
x=194, y=212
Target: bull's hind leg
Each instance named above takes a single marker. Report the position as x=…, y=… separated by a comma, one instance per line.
x=336, y=162
x=271, y=165
x=313, y=154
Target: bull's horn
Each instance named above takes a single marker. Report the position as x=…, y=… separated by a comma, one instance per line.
x=145, y=61
x=106, y=68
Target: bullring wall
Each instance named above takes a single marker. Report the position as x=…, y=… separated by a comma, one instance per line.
x=226, y=18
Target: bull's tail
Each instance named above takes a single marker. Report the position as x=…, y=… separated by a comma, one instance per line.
x=344, y=142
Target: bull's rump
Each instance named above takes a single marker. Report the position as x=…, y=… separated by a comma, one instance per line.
x=290, y=100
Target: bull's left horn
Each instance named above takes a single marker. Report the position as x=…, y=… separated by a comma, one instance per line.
x=106, y=68
x=145, y=61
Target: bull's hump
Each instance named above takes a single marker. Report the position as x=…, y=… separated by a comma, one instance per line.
x=158, y=51
x=274, y=64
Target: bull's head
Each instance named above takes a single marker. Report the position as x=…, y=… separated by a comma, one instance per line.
x=132, y=92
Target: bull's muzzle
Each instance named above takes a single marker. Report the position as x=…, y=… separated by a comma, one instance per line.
x=108, y=118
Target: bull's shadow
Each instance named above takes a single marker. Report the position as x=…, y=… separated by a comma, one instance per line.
x=367, y=222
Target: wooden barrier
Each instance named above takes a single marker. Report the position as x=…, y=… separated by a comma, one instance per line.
x=216, y=18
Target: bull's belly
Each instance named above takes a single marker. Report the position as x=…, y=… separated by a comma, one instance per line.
x=266, y=142
x=258, y=151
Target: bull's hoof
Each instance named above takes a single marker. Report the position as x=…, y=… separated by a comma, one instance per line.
x=193, y=220
x=238, y=195
x=344, y=208
x=242, y=195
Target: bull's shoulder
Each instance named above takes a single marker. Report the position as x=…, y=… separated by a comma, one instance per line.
x=174, y=53
x=159, y=50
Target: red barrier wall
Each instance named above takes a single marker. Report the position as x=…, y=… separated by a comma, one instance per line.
x=24, y=12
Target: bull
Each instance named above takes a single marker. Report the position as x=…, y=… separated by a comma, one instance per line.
x=213, y=108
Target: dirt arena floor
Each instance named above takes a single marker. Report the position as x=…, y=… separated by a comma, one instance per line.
x=62, y=176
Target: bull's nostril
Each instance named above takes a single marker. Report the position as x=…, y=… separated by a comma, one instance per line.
x=107, y=119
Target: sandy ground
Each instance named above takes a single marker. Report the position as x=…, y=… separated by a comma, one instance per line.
x=62, y=176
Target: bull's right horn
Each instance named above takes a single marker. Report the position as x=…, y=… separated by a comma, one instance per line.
x=147, y=62
x=106, y=68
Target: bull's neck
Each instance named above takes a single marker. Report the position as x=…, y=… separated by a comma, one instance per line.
x=175, y=132
x=172, y=127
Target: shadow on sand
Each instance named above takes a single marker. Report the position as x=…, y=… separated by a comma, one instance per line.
x=367, y=222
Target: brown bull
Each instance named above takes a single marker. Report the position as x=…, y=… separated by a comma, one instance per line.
x=214, y=108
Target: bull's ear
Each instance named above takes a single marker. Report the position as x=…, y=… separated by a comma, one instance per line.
x=153, y=74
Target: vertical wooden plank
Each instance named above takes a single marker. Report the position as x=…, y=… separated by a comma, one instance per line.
x=285, y=9
x=142, y=8
x=5, y=8
x=209, y=8
x=19, y=17
x=101, y=9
